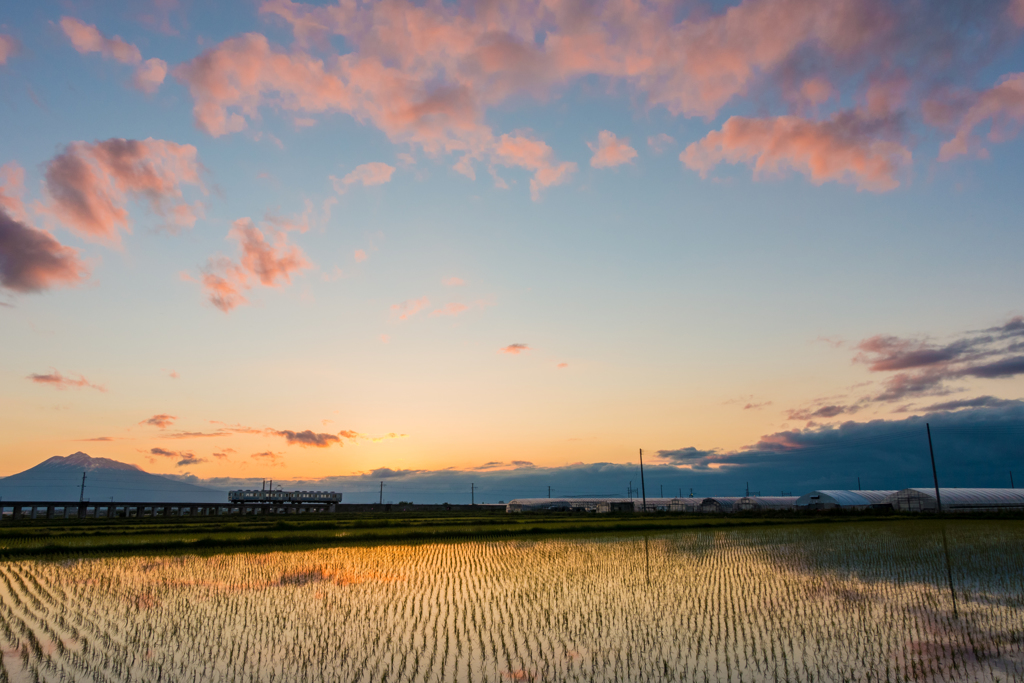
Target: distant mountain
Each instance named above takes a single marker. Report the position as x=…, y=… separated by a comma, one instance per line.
x=60, y=479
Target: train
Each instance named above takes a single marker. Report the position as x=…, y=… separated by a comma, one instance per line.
x=269, y=496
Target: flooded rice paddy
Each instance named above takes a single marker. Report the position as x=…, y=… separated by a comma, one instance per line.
x=838, y=602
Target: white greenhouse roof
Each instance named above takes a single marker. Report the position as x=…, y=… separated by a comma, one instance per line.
x=844, y=498
x=973, y=497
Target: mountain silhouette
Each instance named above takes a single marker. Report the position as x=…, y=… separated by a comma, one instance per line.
x=60, y=479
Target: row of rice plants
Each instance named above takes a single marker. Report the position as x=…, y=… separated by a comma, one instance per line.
x=857, y=602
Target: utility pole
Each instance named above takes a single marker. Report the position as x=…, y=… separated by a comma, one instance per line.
x=1011, y=480
x=382, y=493
x=935, y=474
x=643, y=487
x=629, y=491
x=748, y=489
x=81, y=496
x=472, y=494
x=549, y=492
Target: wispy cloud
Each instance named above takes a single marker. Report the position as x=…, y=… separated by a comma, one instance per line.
x=514, y=349
x=610, y=151
x=58, y=381
x=308, y=438
x=86, y=38
x=410, y=307
x=373, y=173
x=162, y=421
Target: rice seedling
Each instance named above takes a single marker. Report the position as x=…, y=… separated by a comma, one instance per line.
x=852, y=602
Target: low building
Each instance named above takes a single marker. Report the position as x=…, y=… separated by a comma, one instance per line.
x=843, y=500
x=765, y=503
x=718, y=504
x=957, y=500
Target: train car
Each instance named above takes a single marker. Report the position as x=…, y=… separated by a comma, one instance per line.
x=268, y=496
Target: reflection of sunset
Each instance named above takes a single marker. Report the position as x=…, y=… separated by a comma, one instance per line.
x=790, y=602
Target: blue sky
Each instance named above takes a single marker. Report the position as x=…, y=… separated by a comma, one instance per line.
x=674, y=298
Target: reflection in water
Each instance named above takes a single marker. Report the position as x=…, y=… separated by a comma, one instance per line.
x=949, y=570
x=854, y=601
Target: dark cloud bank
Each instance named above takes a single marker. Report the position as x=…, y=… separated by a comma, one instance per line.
x=978, y=445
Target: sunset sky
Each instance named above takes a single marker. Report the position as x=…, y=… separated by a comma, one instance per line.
x=289, y=240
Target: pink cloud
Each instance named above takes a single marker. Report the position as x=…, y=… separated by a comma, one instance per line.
x=426, y=74
x=87, y=38
x=1002, y=104
x=1016, y=11
x=229, y=83
x=12, y=187
x=534, y=155
x=59, y=381
x=268, y=456
x=373, y=173
x=514, y=349
x=844, y=149
x=562, y=365
x=610, y=151
x=269, y=263
x=308, y=438
x=452, y=309
x=817, y=90
x=360, y=255
x=262, y=262
x=162, y=421
x=409, y=308
x=453, y=282
x=660, y=142
x=9, y=47
x=384, y=339
x=150, y=75
x=183, y=457
x=88, y=185
x=31, y=260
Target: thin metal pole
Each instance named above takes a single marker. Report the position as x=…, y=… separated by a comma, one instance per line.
x=81, y=496
x=382, y=493
x=935, y=474
x=472, y=494
x=643, y=487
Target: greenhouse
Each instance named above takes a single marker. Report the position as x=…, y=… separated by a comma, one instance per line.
x=845, y=500
x=604, y=505
x=764, y=503
x=957, y=500
x=718, y=504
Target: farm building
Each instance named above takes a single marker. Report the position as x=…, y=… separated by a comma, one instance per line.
x=654, y=504
x=591, y=504
x=957, y=500
x=718, y=504
x=684, y=504
x=844, y=500
x=763, y=503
